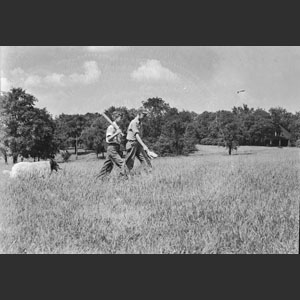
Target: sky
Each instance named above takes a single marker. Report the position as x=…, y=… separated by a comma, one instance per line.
x=82, y=79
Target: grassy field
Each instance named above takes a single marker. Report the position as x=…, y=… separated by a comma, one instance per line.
x=205, y=203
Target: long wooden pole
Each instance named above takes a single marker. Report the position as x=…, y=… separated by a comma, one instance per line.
x=111, y=122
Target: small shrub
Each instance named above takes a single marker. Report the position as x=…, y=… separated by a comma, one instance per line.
x=66, y=155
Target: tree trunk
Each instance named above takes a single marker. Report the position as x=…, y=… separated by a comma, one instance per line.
x=15, y=158
x=76, y=148
x=229, y=150
x=5, y=157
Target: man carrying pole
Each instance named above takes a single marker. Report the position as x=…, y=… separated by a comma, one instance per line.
x=135, y=147
x=113, y=140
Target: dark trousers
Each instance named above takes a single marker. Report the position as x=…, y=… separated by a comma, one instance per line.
x=113, y=157
x=134, y=149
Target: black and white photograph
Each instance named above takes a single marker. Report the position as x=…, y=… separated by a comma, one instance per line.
x=149, y=149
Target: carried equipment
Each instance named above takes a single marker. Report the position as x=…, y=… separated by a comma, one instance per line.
x=112, y=123
x=151, y=154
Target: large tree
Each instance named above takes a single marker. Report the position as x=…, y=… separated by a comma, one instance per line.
x=281, y=117
x=3, y=135
x=206, y=127
x=262, y=130
x=295, y=128
x=152, y=126
x=69, y=129
x=228, y=129
x=190, y=139
x=40, y=130
x=15, y=105
x=93, y=137
x=28, y=130
x=171, y=139
x=245, y=119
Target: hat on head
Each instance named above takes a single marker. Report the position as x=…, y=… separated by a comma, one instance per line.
x=116, y=114
x=142, y=110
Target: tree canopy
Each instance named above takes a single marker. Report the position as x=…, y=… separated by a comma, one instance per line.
x=27, y=130
x=32, y=132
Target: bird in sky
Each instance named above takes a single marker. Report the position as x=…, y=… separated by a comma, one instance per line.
x=241, y=91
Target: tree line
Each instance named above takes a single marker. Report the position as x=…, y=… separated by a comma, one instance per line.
x=31, y=132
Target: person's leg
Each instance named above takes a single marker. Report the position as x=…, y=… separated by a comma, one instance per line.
x=115, y=156
x=106, y=169
x=143, y=158
x=107, y=165
x=129, y=158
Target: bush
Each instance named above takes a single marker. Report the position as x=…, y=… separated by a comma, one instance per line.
x=65, y=155
x=162, y=146
x=209, y=141
x=298, y=143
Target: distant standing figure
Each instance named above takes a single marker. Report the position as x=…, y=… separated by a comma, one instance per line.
x=113, y=140
x=135, y=147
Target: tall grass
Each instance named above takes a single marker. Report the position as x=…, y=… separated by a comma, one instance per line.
x=206, y=203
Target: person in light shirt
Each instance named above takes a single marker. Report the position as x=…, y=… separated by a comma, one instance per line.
x=135, y=147
x=114, y=154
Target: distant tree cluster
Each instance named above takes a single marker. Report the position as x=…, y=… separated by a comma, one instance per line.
x=247, y=126
x=165, y=130
x=28, y=131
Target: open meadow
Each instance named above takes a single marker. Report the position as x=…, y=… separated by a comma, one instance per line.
x=208, y=202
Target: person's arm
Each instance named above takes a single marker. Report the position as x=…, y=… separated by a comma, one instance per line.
x=141, y=142
x=134, y=128
x=111, y=137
